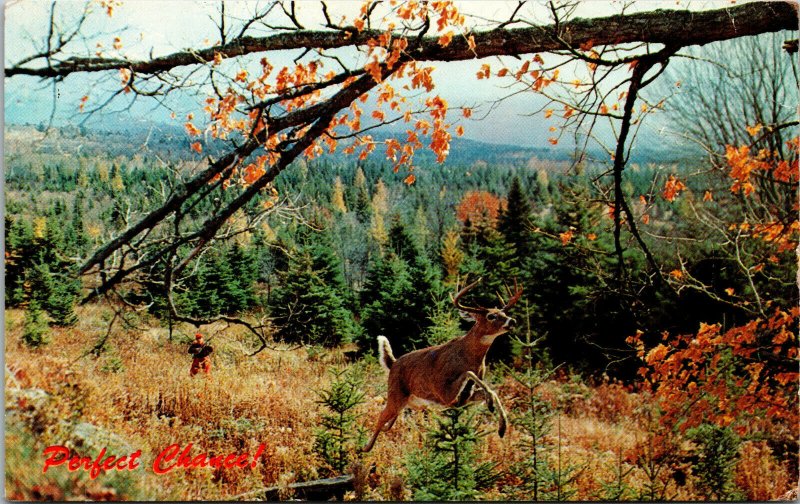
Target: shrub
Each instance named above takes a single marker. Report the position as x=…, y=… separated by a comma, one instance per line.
x=447, y=468
x=34, y=333
x=339, y=434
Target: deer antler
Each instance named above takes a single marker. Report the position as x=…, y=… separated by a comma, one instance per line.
x=515, y=297
x=463, y=291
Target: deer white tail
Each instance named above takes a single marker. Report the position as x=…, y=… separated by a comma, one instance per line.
x=385, y=354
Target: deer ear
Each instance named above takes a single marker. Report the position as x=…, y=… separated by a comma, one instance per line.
x=466, y=315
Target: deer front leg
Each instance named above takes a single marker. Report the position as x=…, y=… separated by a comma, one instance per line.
x=492, y=399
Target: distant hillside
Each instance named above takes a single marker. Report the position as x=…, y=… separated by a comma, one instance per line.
x=170, y=142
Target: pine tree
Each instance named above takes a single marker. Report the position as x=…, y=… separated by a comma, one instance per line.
x=386, y=308
x=340, y=434
x=362, y=206
x=448, y=468
x=238, y=291
x=34, y=332
x=398, y=293
x=39, y=284
x=311, y=306
x=513, y=221
x=61, y=302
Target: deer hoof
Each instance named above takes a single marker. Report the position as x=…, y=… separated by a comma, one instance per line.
x=502, y=430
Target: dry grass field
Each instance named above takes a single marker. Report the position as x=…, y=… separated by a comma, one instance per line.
x=137, y=394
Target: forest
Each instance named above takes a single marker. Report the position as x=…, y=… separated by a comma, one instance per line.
x=655, y=352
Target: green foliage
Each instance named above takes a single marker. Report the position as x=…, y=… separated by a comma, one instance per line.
x=717, y=453
x=617, y=489
x=447, y=468
x=445, y=323
x=398, y=292
x=34, y=332
x=514, y=221
x=61, y=302
x=311, y=304
x=340, y=434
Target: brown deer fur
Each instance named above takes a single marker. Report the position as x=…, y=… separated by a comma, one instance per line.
x=445, y=374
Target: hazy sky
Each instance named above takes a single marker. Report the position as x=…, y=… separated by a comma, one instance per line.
x=161, y=27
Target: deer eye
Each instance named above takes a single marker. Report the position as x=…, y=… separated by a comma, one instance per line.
x=491, y=316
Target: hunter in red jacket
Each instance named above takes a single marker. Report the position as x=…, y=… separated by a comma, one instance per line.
x=202, y=356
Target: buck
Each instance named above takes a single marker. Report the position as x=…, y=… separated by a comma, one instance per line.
x=450, y=374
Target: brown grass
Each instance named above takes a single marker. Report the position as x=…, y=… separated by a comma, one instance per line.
x=151, y=402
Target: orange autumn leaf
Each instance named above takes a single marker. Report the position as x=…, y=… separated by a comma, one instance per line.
x=754, y=129
x=191, y=129
x=676, y=274
x=460, y=130
x=197, y=147
x=645, y=219
x=471, y=42
x=548, y=113
x=445, y=39
x=707, y=196
x=553, y=140
x=672, y=188
x=410, y=179
x=591, y=236
x=566, y=237
x=466, y=112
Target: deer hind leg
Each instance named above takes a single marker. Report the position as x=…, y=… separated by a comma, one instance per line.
x=491, y=398
x=385, y=421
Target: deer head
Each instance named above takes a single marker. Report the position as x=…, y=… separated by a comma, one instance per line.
x=489, y=322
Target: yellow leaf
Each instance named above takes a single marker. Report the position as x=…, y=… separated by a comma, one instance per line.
x=754, y=129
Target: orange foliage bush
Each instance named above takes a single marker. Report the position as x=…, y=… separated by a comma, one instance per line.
x=726, y=377
x=479, y=207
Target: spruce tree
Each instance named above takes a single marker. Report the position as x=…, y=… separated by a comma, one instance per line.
x=61, y=302
x=34, y=332
x=448, y=467
x=311, y=306
x=513, y=222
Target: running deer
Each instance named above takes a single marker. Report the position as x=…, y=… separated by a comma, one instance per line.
x=445, y=374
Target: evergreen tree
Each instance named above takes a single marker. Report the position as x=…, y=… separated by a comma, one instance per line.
x=448, y=468
x=311, y=306
x=513, y=221
x=237, y=290
x=61, y=302
x=34, y=332
x=340, y=434
x=399, y=292
x=386, y=307
x=39, y=284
